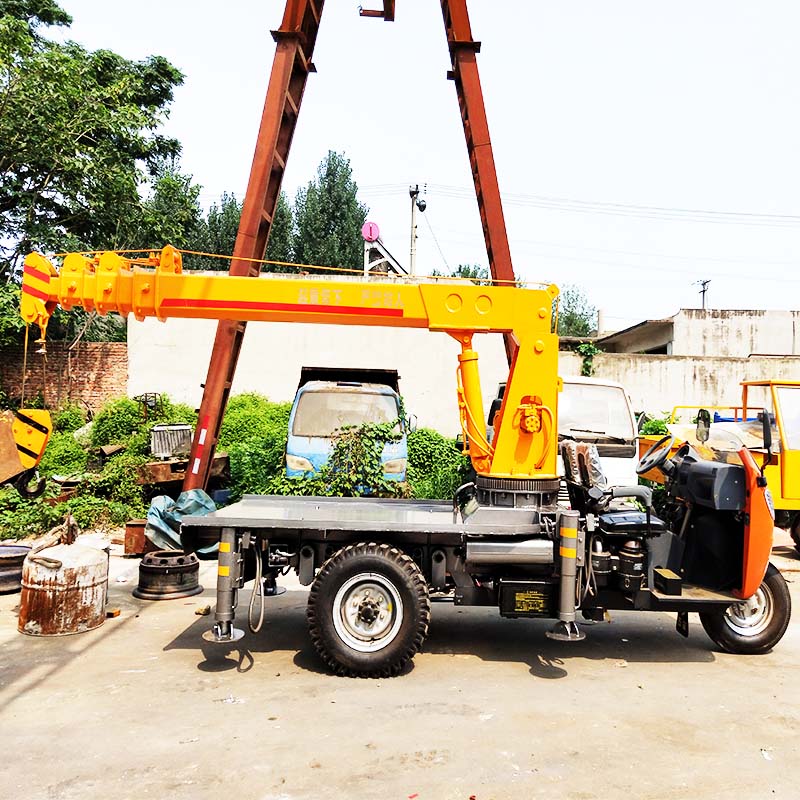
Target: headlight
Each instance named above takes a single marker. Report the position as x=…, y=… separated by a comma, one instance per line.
x=395, y=466
x=770, y=503
x=299, y=463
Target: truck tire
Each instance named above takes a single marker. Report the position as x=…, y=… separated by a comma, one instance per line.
x=368, y=611
x=795, y=531
x=755, y=625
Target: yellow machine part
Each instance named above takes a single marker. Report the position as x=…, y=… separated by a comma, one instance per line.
x=23, y=438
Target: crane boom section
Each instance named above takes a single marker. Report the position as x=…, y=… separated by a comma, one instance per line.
x=524, y=445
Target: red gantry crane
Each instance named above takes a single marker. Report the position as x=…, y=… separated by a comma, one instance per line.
x=295, y=40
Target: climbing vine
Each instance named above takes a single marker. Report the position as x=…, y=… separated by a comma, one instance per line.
x=587, y=352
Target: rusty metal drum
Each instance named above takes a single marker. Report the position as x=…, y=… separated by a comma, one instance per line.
x=63, y=590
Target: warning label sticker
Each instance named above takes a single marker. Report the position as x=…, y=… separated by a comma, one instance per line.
x=531, y=601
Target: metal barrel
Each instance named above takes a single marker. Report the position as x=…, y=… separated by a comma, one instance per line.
x=63, y=590
x=12, y=558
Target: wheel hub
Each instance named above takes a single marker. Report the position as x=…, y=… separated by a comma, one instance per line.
x=751, y=616
x=367, y=612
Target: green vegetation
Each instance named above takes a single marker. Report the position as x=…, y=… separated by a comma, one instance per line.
x=436, y=465
x=655, y=426
x=108, y=492
x=576, y=315
x=254, y=436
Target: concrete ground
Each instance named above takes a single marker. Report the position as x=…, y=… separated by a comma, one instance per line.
x=143, y=707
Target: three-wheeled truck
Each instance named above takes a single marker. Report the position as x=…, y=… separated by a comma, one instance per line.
x=503, y=540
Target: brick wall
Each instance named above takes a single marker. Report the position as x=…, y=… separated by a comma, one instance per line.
x=92, y=373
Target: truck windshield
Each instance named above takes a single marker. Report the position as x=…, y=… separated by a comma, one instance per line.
x=594, y=410
x=322, y=413
x=789, y=399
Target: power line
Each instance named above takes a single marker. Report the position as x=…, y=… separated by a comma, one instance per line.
x=635, y=211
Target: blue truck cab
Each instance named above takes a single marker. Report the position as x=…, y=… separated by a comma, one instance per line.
x=328, y=399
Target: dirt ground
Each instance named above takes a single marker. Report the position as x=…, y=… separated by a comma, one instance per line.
x=143, y=707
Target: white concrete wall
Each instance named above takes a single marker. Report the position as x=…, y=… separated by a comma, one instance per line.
x=172, y=357
x=739, y=334
x=658, y=383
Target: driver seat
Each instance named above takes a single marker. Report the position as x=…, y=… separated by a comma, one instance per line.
x=589, y=492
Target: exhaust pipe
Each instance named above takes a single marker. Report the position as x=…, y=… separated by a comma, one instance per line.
x=528, y=551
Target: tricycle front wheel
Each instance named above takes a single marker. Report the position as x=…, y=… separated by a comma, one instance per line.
x=755, y=625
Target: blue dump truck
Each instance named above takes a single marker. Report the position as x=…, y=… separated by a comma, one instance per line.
x=330, y=398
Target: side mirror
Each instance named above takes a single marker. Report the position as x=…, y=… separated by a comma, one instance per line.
x=411, y=423
x=767, y=432
x=703, y=425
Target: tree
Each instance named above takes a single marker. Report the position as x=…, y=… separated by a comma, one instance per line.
x=328, y=217
x=35, y=12
x=576, y=315
x=215, y=233
x=474, y=272
x=281, y=235
x=171, y=214
x=77, y=135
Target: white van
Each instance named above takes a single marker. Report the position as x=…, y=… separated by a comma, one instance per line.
x=597, y=411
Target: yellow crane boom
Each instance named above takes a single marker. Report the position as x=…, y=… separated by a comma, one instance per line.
x=525, y=440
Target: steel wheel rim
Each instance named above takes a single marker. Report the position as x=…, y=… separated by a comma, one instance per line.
x=367, y=612
x=752, y=616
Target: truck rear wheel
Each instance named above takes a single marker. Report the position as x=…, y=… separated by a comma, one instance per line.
x=755, y=625
x=795, y=531
x=368, y=610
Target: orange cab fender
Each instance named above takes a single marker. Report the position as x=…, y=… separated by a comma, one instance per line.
x=758, y=528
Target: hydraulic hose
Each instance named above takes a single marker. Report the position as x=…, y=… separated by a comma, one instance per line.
x=259, y=589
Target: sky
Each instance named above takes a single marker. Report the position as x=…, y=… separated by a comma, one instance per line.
x=641, y=147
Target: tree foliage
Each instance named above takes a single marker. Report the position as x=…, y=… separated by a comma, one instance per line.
x=474, y=272
x=215, y=233
x=328, y=217
x=78, y=132
x=576, y=315
x=281, y=236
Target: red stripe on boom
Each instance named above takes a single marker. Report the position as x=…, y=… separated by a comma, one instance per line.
x=38, y=293
x=35, y=273
x=252, y=305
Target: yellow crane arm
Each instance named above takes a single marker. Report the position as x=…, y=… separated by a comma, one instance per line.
x=525, y=440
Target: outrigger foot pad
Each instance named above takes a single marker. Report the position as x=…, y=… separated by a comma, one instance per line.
x=566, y=632
x=223, y=633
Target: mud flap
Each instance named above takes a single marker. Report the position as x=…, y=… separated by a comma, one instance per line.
x=682, y=624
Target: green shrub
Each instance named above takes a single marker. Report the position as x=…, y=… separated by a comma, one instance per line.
x=254, y=462
x=69, y=418
x=250, y=416
x=116, y=422
x=436, y=465
x=655, y=427
x=63, y=456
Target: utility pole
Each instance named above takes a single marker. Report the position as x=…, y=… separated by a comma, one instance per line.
x=703, y=290
x=416, y=203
